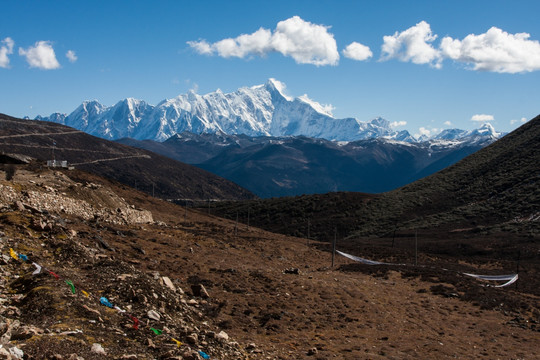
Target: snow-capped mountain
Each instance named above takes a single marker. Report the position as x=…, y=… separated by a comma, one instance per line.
x=262, y=110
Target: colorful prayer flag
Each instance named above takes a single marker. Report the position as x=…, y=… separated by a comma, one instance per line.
x=38, y=269
x=135, y=322
x=106, y=302
x=13, y=254
x=178, y=343
x=157, y=331
x=70, y=283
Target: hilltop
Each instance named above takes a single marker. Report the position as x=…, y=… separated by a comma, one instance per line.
x=141, y=169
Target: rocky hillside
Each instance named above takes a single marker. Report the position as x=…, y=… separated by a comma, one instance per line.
x=141, y=169
x=176, y=284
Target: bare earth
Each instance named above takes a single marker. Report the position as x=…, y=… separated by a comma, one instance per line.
x=256, y=295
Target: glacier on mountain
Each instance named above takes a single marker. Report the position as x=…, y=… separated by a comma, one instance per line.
x=262, y=110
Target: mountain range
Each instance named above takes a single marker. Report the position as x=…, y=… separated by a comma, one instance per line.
x=287, y=166
x=276, y=145
x=262, y=110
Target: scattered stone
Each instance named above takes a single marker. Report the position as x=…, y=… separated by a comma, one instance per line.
x=193, y=338
x=16, y=353
x=154, y=315
x=168, y=283
x=129, y=357
x=200, y=291
x=222, y=335
x=312, y=351
x=98, y=349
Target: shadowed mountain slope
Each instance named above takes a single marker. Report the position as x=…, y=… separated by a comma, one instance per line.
x=495, y=189
x=141, y=169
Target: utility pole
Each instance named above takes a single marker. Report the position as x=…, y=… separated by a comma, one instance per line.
x=308, y=226
x=334, y=246
x=517, y=267
x=416, y=247
x=236, y=225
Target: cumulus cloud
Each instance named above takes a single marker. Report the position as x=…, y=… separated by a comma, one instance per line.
x=305, y=42
x=398, y=123
x=5, y=50
x=522, y=120
x=72, y=57
x=40, y=56
x=423, y=131
x=482, y=117
x=495, y=50
x=448, y=123
x=413, y=44
x=357, y=51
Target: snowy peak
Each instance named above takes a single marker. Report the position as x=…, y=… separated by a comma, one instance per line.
x=381, y=123
x=274, y=86
x=486, y=130
x=261, y=110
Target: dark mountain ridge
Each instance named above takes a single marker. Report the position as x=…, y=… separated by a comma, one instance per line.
x=141, y=169
x=288, y=166
x=493, y=190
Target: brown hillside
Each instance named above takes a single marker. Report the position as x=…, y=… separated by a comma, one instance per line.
x=141, y=169
x=275, y=296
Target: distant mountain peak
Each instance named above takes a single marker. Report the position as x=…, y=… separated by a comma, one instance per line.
x=261, y=110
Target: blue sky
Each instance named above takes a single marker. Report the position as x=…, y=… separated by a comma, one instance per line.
x=423, y=65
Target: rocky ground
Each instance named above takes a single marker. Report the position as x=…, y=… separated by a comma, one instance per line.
x=222, y=289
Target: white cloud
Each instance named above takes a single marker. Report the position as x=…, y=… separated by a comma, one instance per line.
x=413, y=44
x=448, y=123
x=40, y=56
x=322, y=108
x=72, y=57
x=522, y=120
x=423, y=131
x=357, y=51
x=305, y=42
x=5, y=50
x=398, y=123
x=482, y=117
x=495, y=50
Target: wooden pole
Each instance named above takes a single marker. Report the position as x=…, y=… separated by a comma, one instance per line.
x=185, y=213
x=334, y=246
x=236, y=225
x=517, y=266
x=248, y=220
x=308, y=226
x=416, y=248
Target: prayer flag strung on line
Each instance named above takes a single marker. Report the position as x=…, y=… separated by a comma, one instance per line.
x=70, y=283
x=38, y=269
x=157, y=331
x=178, y=343
x=106, y=302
